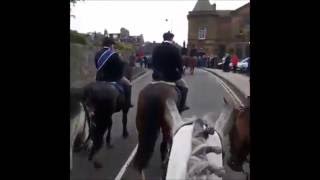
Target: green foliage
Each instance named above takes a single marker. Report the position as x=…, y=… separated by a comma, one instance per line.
x=124, y=47
x=75, y=37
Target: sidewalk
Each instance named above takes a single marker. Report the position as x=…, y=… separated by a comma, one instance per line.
x=239, y=81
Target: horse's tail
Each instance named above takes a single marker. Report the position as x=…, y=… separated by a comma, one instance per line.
x=150, y=112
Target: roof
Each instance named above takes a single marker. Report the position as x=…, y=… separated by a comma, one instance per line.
x=203, y=5
x=223, y=12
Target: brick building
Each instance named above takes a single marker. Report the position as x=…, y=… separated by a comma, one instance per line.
x=217, y=31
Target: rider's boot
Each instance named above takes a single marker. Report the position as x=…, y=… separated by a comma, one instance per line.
x=184, y=92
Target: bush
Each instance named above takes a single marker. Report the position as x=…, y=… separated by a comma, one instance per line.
x=75, y=37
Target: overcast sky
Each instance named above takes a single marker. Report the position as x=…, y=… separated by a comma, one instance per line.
x=140, y=17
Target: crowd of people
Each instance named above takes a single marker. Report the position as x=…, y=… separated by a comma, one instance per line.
x=227, y=63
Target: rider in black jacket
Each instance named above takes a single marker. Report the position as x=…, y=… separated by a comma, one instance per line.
x=167, y=66
x=110, y=68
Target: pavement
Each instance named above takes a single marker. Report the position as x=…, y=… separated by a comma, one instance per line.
x=239, y=83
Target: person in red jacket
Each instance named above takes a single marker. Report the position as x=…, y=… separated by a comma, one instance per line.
x=234, y=61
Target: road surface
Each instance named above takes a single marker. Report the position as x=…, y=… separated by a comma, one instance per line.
x=205, y=96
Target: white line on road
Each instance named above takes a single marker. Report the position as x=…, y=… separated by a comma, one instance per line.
x=125, y=166
x=229, y=91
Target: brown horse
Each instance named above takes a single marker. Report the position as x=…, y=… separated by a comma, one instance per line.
x=157, y=109
x=189, y=62
x=239, y=137
x=234, y=127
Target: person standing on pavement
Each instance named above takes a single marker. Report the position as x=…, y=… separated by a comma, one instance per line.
x=234, y=61
x=226, y=63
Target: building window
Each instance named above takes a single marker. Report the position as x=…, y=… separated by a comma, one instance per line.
x=202, y=33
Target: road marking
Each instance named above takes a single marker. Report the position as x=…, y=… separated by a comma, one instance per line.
x=233, y=95
x=126, y=165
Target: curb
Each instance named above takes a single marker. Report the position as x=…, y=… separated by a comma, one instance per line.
x=233, y=87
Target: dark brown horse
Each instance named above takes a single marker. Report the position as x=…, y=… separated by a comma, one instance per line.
x=101, y=100
x=157, y=109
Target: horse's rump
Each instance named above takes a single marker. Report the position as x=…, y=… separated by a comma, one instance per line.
x=150, y=117
x=102, y=96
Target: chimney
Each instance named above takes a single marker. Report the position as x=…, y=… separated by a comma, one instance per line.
x=214, y=6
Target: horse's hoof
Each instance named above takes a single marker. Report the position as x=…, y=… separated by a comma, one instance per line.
x=125, y=135
x=97, y=165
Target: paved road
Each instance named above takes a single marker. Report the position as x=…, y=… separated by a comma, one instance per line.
x=205, y=96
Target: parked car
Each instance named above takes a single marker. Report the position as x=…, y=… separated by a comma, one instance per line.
x=242, y=66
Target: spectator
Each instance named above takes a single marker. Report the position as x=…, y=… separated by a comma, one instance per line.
x=226, y=62
x=145, y=61
x=234, y=61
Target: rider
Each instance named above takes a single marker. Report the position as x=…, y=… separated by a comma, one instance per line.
x=167, y=66
x=110, y=68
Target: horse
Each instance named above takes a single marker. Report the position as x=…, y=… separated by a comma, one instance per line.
x=189, y=62
x=239, y=137
x=157, y=109
x=79, y=126
x=103, y=99
x=185, y=63
x=234, y=128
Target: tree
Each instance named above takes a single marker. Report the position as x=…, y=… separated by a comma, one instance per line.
x=74, y=1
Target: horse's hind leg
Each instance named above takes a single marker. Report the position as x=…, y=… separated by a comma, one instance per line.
x=125, y=133
x=97, y=138
x=108, y=139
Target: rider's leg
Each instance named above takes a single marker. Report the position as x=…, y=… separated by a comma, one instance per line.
x=127, y=86
x=182, y=85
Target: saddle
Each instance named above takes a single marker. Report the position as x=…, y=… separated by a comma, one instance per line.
x=118, y=86
x=171, y=84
